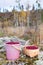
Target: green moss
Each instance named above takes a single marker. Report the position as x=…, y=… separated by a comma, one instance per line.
x=42, y=17
x=26, y=38
x=1, y=34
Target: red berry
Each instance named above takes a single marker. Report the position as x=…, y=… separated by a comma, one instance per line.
x=12, y=43
x=32, y=47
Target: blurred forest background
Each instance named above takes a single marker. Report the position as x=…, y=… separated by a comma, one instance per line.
x=24, y=24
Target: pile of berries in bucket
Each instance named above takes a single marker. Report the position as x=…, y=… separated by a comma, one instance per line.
x=13, y=50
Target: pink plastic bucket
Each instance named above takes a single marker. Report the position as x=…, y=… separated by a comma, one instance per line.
x=11, y=52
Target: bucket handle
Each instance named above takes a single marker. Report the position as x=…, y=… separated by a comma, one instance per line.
x=15, y=47
x=21, y=46
x=18, y=48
